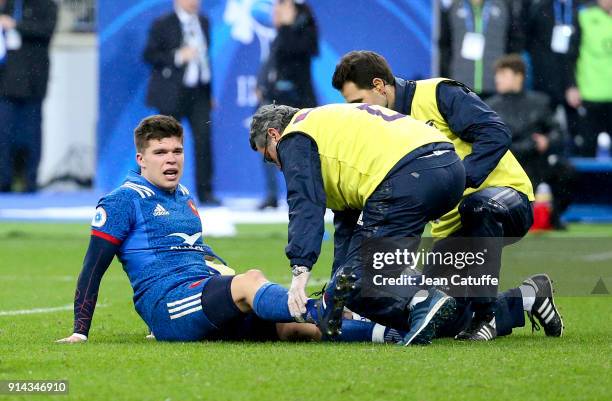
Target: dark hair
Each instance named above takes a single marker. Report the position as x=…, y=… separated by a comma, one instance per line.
x=361, y=67
x=512, y=62
x=156, y=127
x=269, y=116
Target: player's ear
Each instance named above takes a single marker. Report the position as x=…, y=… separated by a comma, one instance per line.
x=139, y=159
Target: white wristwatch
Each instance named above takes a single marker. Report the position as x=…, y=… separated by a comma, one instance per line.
x=297, y=270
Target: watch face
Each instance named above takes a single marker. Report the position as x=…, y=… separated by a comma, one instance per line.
x=297, y=270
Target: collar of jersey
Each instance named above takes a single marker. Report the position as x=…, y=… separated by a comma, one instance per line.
x=136, y=177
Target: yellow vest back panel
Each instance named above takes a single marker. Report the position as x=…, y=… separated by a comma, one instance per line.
x=358, y=145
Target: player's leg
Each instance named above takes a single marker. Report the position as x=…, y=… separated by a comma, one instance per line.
x=252, y=292
x=298, y=332
x=496, y=216
x=221, y=308
x=209, y=308
x=534, y=297
x=508, y=310
x=353, y=330
x=398, y=211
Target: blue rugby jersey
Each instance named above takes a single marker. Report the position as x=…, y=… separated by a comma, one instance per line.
x=157, y=236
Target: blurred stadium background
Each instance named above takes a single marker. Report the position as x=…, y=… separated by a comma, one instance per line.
x=98, y=81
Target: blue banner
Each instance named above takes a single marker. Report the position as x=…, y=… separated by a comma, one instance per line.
x=401, y=30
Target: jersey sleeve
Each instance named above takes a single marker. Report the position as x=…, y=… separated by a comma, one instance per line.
x=110, y=226
x=114, y=218
x=98, y=258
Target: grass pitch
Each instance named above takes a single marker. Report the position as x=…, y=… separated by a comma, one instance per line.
x=40, y=263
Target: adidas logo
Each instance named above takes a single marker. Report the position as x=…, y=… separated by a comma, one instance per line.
x=160, y=211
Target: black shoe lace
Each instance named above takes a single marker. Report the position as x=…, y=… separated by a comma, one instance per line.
x=320, y=292
x=534, y=325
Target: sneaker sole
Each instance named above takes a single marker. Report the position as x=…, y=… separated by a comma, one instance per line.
x=443, y=310
x=344, y=283
x=552, y=301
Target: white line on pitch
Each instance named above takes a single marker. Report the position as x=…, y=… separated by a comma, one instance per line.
x=598, y=257
x=41, y=310
x=30, y=278
x=13, y=277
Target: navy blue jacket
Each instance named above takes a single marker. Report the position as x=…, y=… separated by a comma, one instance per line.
x=470, y=119
x=301, y=166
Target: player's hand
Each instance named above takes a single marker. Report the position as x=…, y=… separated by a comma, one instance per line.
x=573, y=98
x=73, y=339
x=297, y=295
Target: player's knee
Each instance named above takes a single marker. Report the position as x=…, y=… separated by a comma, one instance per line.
x=255, y=275
x=248, y=279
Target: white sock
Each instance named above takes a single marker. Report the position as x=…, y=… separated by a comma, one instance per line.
x=419, y=297
x=529, y=295
x=378, y=333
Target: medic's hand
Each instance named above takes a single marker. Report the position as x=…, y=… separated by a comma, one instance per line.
x=297, y=293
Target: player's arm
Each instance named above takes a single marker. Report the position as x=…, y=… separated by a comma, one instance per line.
x=100, y=253
x=306, y=198
x=110, y=227
x=475, y=122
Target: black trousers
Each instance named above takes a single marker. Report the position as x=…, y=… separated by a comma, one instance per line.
x=396, y=212
x=598, y=119
x=490, y=219
x=20, y=140
x=194, y=105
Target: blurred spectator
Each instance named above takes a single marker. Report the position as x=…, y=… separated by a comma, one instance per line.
x=592, y=53
x=26, y=28
x=285, y=78
x=180, y=85
x=536, y=142
x=475, y=33
x=550, y=24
